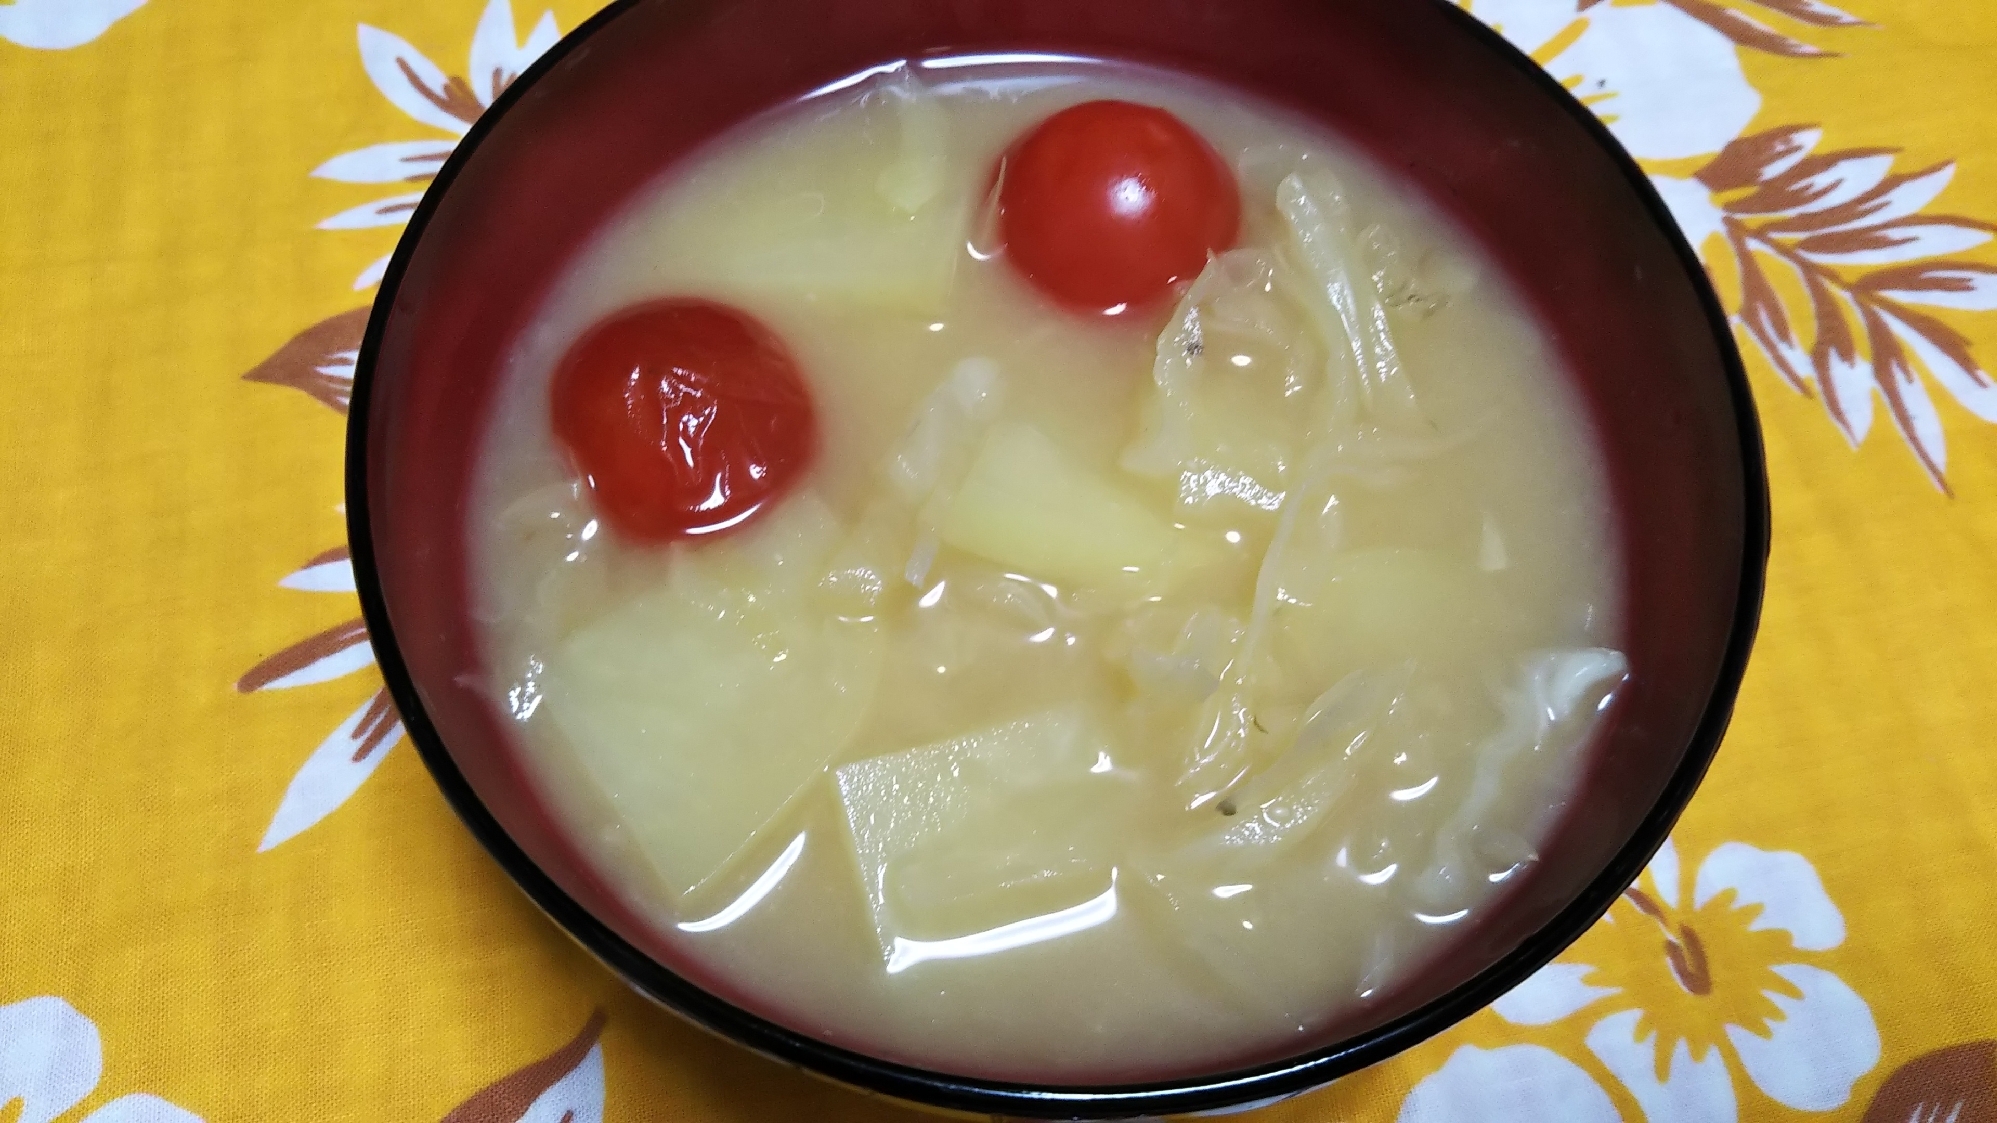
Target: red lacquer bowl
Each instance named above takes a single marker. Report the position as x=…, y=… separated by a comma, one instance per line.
x=1429, y=92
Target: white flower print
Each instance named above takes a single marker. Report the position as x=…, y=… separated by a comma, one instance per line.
x=346, y=758
x=58, y=25
x=421, y=89
x=1685, y=994
x=51, y=1059
x=1665, y=76
x=319, y=361
x=1668, y=85
x=1516, y=1082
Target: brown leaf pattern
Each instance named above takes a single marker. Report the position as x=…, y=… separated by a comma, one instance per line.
x=1957, y=1084
x=1767, y=322
x=1754, y=160
x=507, y=1099
x=1749, y=32
x=1813, y=13
x=311, y=652
x=1803, y=186
x=456, y=98
x=1951, y=277
x=379, y=721
x=1846, y=234
x=1896, y=194
x=318, y=360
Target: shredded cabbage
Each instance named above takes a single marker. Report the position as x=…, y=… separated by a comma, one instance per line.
x=942, y=442
x=947, y=428
x=1167, y=444
x=1368, y=428
x=1346, y=307
x=1220, y=759
x=915, y=175
x=1552, y=690
x=1199, y=654
x=1334, y=745
x=1179, y=676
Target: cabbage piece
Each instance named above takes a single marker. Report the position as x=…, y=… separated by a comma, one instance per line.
x=1339, y=734
x=915, y=175
x=1229, y=372
x=1025, y=506
x=1320, y=612
x=1212, y=890
x=1325, y=750
x=930, y=464
x=896, y=538
x=947, y=429
x=1176, y=656
x=1221, y=757
x=864, y=574
x=1257, y=943
x=1553, y=698
x=1346, y=307
x=553, y=532
x=702, y=708
x=1418, y=285
x=982, y=832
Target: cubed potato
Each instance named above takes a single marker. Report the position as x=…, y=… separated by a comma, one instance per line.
x=701, y=709
x=989, y=829
x=1026, y=506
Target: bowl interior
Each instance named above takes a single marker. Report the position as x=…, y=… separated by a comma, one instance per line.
x=1426, y=92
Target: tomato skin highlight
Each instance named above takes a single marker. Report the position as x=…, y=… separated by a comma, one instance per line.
x=1107, y=205
x=685, y=417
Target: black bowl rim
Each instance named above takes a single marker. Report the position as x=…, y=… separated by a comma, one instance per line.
x=1213, y=1093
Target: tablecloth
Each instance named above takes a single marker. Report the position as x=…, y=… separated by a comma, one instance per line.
x=232, y=893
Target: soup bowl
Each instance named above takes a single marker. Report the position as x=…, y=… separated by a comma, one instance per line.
x=1419, y=85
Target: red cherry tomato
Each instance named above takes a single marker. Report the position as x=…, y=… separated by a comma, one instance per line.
x=1106, y=205
x=685, y=416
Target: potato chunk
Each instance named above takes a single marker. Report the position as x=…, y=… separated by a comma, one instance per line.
x=1026, y=506
x=972, y=835
x=702, y=708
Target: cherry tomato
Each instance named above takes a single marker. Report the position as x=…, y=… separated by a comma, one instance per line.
x=1107, y=205
x=685, y=416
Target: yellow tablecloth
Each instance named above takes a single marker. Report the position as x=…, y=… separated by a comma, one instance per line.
x=232, y=893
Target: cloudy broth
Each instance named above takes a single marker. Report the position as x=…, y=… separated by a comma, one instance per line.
x=1116, y=695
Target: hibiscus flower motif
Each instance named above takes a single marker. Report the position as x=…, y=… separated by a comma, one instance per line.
x=1667, y=84
x=1830, y=263
x=421, y=89
x=1670, y=1001
x=51, y=1059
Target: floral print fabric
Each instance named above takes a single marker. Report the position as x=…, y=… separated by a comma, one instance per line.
x=233, y=897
